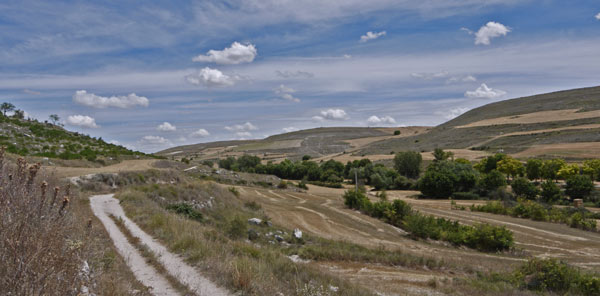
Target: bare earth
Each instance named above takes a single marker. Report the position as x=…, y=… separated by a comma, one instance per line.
x=124, y=166
x=103, y=206
x=536, y=117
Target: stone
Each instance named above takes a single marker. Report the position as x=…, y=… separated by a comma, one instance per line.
x=279, y=238
x=252, y=234
x=297, y=233
x=254, y=221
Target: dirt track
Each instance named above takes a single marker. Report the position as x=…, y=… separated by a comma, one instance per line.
x=124, y=166
x=104, y=205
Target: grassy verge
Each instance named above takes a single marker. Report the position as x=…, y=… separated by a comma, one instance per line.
x=217, y=245
x=151, y=257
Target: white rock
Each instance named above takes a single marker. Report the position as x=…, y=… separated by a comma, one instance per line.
x=297, y=233
x=254, y=221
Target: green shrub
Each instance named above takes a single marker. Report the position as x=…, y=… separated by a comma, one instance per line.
x=185, y=210
x=486, y=237
x=237, y=228
x=396, y=132
x=579, y=186
x=556, y=276
x=282, y=184
x=408, y=163
x=522, y=187
x=492, y=180
x=550, y=191
x=465, y=195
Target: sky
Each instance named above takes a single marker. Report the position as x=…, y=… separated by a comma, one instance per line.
x=155, y=75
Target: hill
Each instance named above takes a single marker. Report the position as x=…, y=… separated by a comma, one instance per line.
x=26, y=137
x=565, y=123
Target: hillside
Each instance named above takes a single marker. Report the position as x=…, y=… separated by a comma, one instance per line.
x=559, y=123
x=32, y=138
x=317, y=142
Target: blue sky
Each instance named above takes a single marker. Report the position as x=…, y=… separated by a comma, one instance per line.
x=121, y=69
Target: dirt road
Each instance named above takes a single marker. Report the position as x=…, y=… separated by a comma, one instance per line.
x=105, y=205
x=124, y=166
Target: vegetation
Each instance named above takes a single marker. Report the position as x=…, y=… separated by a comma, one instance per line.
x=483, y=237
x=32, y=138
x=556, y=276
x=408, y=163
x=528, y=209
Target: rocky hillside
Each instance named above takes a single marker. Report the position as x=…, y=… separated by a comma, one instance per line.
x=32, y=138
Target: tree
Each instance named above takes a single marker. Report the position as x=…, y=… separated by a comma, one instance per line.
x=592, y=168
x=551, y=167
x=489, y=163
x=439, y=154
x=54, y=118
x=6, y=107
x=443, y=178
x=533, y=169
x=19, y=114
x=492, y=180
x=550, y=191
x=579, y=186
x=522, y=187
x=568, y=171
x=408, y=163
x=305, y=157
x=510, y=167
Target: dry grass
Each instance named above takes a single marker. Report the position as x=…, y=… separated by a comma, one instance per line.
x=536, y=117
x=242, y=266
x=48, y=245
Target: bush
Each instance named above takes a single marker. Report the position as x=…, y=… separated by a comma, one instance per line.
x=396, y=132
x=282, y=184
x=355, y=199
x=556, y=276
x=492, y=180
x=442, y=178
x=408, y=163
x=486, y=237
x=185, y=210
x=465, y=195
x=550, y=191
x=579, y=186
x=522, y=187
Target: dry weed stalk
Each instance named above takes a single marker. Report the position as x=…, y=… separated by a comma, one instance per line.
x=37, y=255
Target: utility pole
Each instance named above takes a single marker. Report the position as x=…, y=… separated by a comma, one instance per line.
x=356, y=180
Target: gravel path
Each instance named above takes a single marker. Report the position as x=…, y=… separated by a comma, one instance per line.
x=103, y=206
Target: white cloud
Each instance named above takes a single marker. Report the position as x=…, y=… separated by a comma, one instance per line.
x=371, y=35
x=242, y=127
x=289, y=129
x=32, y=92
x=381, y=120
x=166, y=127
x=236, y=54
x=154, y=140
x=489, y=31
x=429, y=76
x=453, y=113
x=347, y=56
x=467, y=78
x=244, y=135
x=82, y=121
x=296, y=74
x=285, y=93
x=331, y=114
x=82, y=97
x=200, y=133
x=210, y=77
x=598, y=16
x=485, y=92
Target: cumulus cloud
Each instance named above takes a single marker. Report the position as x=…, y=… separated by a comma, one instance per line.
x=485, y=92
x=154, y=140
x=210, y=78
x=236, y=54
x=381, y=120
x=82, y=97
x=598, y=16
x=289, y=129
x=489, y=31
x=242, y=127
x=82, y=121
x=453, y=113
x=331, y=114
x=285, y=93
x=166, y=127
x=296, y=74
x=200, y=133
x=371, y=35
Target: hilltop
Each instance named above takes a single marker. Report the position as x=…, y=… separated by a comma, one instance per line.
x=29, y=137
x=564, y=123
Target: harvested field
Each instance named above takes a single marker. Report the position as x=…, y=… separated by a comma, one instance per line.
x=566, y=150
x=536, y=117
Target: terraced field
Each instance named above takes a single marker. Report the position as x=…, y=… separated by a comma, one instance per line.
x=320, y=211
